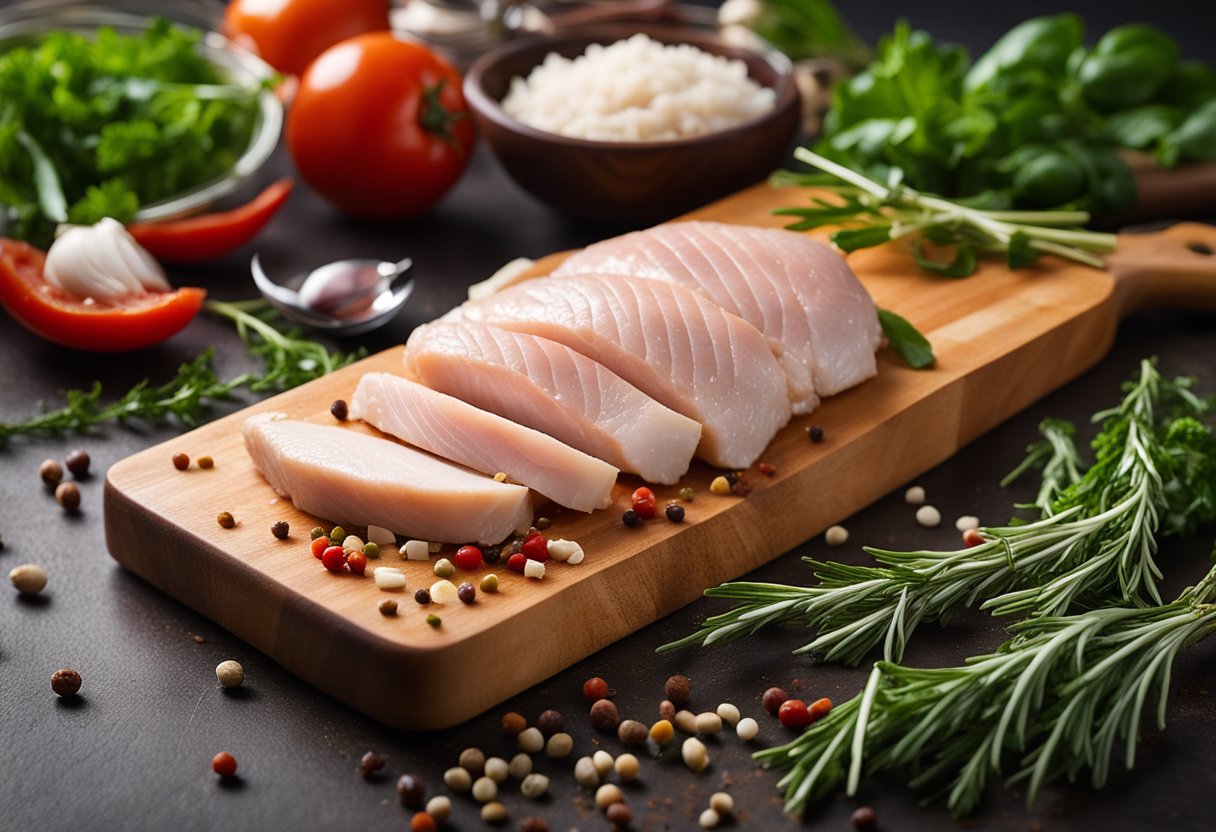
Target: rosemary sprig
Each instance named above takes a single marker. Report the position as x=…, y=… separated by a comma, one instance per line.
x=876, y=213
x=1062, y=694
x=288, y=361
x=1096, y=538
x=1057, y=457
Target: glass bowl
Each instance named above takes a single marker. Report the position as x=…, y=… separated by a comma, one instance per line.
x=26, y=22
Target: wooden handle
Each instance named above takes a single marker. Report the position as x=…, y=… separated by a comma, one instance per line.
x=1174, y=268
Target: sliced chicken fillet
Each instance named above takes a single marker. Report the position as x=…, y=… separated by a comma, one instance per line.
x=348, y=477
x=555, y=390
x=800, y=293
x=668, y=341
x=484, y=441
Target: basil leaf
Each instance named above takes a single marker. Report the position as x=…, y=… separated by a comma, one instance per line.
x=851, y=239
x=906, y=340
x=963, y=264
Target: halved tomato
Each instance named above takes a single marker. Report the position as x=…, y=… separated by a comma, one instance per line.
x=48, y=311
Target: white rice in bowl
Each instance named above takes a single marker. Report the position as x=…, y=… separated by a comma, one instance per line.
x=637, y=90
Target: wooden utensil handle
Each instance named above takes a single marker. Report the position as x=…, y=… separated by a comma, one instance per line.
x=1174, y=268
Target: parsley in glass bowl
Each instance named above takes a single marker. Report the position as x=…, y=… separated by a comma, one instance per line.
x=108, y=112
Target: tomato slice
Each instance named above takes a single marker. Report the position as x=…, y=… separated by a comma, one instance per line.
x=48, y=311
x=198, y=239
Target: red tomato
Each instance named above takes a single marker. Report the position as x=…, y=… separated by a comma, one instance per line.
x=129, y=324
x=206, y=237
x=380, y=128
x=288, y=34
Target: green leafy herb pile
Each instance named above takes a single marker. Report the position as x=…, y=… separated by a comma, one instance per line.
x=288, y=361
x=1068, y=684
x=1033, y=123
x=97, y=127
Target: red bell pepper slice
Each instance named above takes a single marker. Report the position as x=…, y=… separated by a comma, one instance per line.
x=206, y=237
x=128, y=324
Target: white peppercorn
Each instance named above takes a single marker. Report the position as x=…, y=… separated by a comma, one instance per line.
x=439, y=807
x=608, y=794
x=520, y=766
x=722, y=803
x=627, y=767
x=708, y=723
x=836, y=536
x=729, y=713
x=531, y=740
x=696, y=757
x=458, y=779
x=28, y=578
x=914, y=496
x=534, y=786
x=585, y=773
x=497, y=769
x=747, y=729
x=928, y=516
x=494, y=812
x=559, y=745
x=603, y=762
x=484, y=790
x=230, y=673
x=709, y=819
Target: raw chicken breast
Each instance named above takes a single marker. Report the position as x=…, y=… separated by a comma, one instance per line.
x=456, y=430
x=798, y=292
x=552, y=388
x=669, y=342
x=349, y=477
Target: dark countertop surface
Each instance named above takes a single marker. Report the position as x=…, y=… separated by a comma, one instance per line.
x=133, y=751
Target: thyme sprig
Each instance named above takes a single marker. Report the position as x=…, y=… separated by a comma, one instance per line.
x=288, y=360
x=875, y=213
x=1059, y=697
x=1096, y=540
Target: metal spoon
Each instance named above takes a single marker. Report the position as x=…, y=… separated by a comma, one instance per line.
x=348, y=297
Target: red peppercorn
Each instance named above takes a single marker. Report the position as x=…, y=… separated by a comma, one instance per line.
x=773, y=699
x=644, y=503
x=864, y=819
x=411, y=791
x=319, y=546
x=333, y=558
x=356, y=562
x=595, y=689
x=793, y=713
x=820, y=708
x=224, y=764
x=972, y=537
x=422, y=822
x=517, y=562
x=467, y=558
x=766, y=469
x=535, y=547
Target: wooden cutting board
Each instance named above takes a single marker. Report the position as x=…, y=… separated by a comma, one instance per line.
x=1002, y=340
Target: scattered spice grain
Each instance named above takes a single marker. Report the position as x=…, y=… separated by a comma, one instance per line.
x=729, y=713
x=836, y=536
x=181, y=461
x=694, y=754
x=466, y=593
x=678, y=688
x=534, y=786
x=619, y=814
x=78, y=463
x=513, y=724
x=686, y=722
x=915, y=496
x=595, y=689
x=458, y=779
x=439, y=807
x=972, y=538
x=632, y=733
x=494, y=812
x=520, y=766
x=708, y=723
x=67, y=494
x=747, y=729
x=28, y=578
x=630, y=518
x=543, y=523
x=533, y=824
x=225, y=519
x=709, y=819
x=928, y=516
x=667, y=710
x=603, y=762
x=722, y=803
x=230, y=674
x=423, y=822
x=206, y=462
x=559, y=745
x=411, y=791
x=484, y=790
x=674, y=512
x=627, y=767
x=773, y=699
x=720, y=486
x=766, y=469
x=434, y=620
x=224, y=764
x=864, y=819
x=815, y=432
x=531, y=740
x=497, y=769
x=608, y=795
x=65, y=682
x=370, y=763
x=339, y=410
x=473, y=760
x=585, y=773
x=489, y=583
x=686, y=494
x=51, y=472
x=794, y=713
x=280, y=529
x=604, y=716
x=550, y=722
x=422, y=596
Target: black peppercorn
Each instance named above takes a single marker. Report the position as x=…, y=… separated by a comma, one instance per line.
x=675, y=513
x=78, y=463
x=551, y=722
x=423, y=596
x=816, y=433
x=466, y=593
x=491, y=554
x=631, y=518
x=280, y=530
x=339, y=410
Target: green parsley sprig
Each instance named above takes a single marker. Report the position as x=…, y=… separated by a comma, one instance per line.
x=875, y=213
x=289, y=360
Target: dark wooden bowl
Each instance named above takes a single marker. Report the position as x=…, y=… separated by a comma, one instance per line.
x=634, y=183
